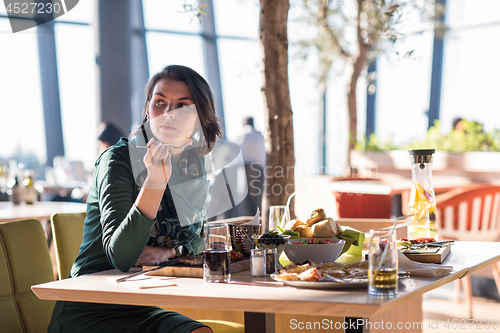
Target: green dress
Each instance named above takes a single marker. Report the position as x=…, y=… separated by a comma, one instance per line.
x=115, y=235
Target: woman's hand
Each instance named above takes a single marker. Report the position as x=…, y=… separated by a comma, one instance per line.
x=153, y=255
x=159, y=167
x=157, y=161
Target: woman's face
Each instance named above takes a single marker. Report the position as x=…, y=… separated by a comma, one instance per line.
x=170, y=117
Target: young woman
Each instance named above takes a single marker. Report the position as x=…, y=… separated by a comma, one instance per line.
x=147, y=202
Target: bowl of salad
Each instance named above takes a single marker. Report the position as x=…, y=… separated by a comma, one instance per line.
x=300, y=250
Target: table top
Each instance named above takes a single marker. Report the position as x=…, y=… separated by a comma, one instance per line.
x=247, y=293
x=40, y=210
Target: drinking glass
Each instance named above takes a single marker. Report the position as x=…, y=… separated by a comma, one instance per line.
x=382, y=263
x=216, y=252
x=278, y=216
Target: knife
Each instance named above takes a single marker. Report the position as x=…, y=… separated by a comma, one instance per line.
x=433, y=244
x=169, y=262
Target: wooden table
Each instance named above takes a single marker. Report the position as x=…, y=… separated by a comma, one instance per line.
x=261, y=298
x=40, y=210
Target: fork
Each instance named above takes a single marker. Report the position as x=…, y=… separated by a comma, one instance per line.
x=188, y=142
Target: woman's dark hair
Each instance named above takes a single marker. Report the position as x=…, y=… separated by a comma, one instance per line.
x=202, y=96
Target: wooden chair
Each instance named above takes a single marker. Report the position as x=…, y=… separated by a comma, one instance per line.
x=67, y=230
x=354, y=205
x=24, y=261
x=470, y=214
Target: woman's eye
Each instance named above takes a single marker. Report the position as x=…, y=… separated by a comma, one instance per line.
x=182, y=105
x=158, y=102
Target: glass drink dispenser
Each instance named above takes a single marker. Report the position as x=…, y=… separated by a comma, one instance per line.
x=422, y=201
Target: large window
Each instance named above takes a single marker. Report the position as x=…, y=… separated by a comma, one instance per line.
x=75, y=49
x=83, y=12
x=22, y=133
x=237, y=18
x=470, y=76
x=172, y=49
x=173, y=36
x=241, y=82
x=237, y=25
x=169, y=16
x=77, y=87
x=403, y=90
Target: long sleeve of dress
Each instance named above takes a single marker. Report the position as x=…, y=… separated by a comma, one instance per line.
x=125, y=230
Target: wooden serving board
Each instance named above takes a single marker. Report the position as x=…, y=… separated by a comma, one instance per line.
x=195, y=271
x=436, y=256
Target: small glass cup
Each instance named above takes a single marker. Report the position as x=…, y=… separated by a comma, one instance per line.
x=382, y=263
x=258, y=262
x=216, y=252
x=278, y=216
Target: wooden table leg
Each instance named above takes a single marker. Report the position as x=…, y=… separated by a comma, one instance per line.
x=405, y=317
x=259, y=322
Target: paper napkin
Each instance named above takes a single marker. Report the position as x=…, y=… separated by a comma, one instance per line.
x=256, y=220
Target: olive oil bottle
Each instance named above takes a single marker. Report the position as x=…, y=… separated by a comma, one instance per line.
x=29, y=192
x=15, y=191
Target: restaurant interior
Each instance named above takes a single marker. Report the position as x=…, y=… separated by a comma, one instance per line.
x=82, y=77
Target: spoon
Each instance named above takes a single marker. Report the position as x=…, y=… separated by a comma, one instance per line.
x=384, y=253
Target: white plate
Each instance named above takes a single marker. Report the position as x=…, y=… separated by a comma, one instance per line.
x=350, y=284
x=355, y=283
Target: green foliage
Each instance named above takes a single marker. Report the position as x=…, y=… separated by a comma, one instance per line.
x=375, y=144
x=470, y=138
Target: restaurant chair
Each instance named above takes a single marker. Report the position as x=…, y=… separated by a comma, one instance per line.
x=362, y=205
x=24, y=261
x=470, y=214
x=67, y=232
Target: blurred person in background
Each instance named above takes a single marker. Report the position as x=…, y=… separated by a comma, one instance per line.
x=108, y=135
x=253, y=149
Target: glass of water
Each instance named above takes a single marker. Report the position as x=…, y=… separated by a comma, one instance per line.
x=278, y=216
x=216, y=252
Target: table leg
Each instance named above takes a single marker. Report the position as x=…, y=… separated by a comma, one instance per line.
x=259, y=322
x=405, y=317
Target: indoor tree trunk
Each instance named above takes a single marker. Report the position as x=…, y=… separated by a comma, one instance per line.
x=352, y=110
x=280, y=158
x=357, y=67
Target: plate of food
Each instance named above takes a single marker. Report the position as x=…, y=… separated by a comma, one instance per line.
x=328, y=275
